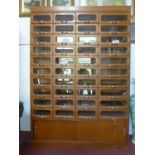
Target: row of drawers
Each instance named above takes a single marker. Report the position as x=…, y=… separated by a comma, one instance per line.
x=79, y=29
x=80, y=17
x=80, y=39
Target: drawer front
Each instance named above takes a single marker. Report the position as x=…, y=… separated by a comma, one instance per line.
x=64, y=61
x=42, y=102
x=87, y=51
x=64, y=39
x=42, y=18
x=114, y=51
x=64, y=50
x=45, y=29
x=64, y=71
x=41, y=81
x=41, y=61
x=41, y=40
x=64, y=28
x=86, y=29
x=41, y=71
x=85, y=61
x=83, y=17
x=41, y=50
x=64, y=18
x=86, y=40
x=87, y=71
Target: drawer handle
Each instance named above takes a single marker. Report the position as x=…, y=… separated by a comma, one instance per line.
x=64, y=96
x=114, y=86
x=111, y=22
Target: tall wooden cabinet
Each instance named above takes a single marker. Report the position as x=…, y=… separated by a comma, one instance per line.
x=80, y=76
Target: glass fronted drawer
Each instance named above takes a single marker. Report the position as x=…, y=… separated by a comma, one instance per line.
x=41, y=103
x=64, y=92
x=64, y=39
x=87, y=82
x=64, y=103
x=42, y=91
x=113, y=114
x=87, y=51
x=86, y=28
x=111, y=93
x=42, y=18
x=41, y=39
x=64, y=29
x=114, y=29
x=114, y=18
x=114, y=83
x=114, y=72
x=86, y=104
x=86, y=114
x=41, y=81
x=64, y=71
x=64, y=51
x=113, y=62
x=41, y=61
x=83, y=17
x=63, y=82
x=114, y=51
x=42, y=113
x=64, y=18
x=41, y=71
x=113, y=104
x=64, y=114
x=41, y=50
x=114, y=40
x=87, y=61
x=88, y=71
x=87, y=92
x=86, y=39
x=42, y=29
x=64, y=61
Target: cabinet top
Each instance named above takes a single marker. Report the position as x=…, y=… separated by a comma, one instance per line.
x=39, y=9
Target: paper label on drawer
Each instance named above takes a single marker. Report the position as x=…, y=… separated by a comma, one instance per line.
x=115, y=41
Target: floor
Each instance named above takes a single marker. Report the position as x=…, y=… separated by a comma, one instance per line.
x=27, y=149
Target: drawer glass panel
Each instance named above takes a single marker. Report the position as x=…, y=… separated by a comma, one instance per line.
x=113, y=82
x=114, y=40
x=86, y=71
x=64, y=81
x=86, y=82
x=64, y=71
x=41, y=29
x=63, y=18
x=113, y=72
x=114, y=50
x=87, y=29
x=41, y=91
x=86, y=61
x=42, y=60
x=64, y=92
x=114, y=114
x=64, y=28
x=64, y=61
x=85, y=113
x=66, y=103
x=41, y=50
x=64, y=40
x=41, y=81
x=87, y=92
x=64, y=113
x=87, y=17
x=64, y=50
x=86, y=103
x=114, y=93
x=114, y=18
x=42, y=113
x=39, y=71
x=113, y=61
x=87, y=50
x=41, y=102
x=42, y=39
x=113, y=29
x=113, y=103
x=87, y=39
x=42, y=18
